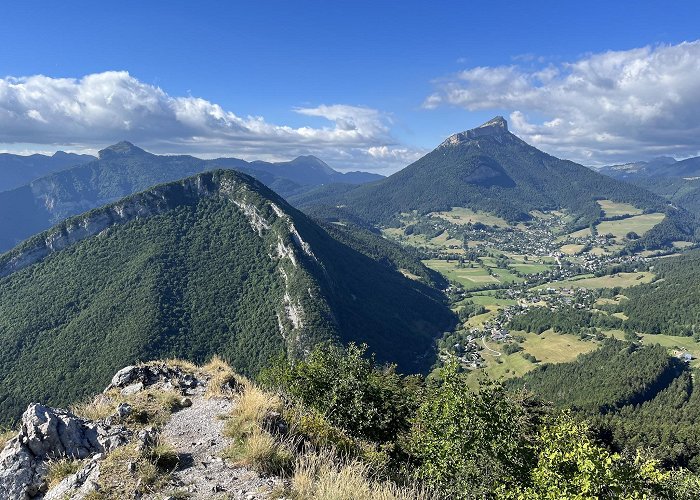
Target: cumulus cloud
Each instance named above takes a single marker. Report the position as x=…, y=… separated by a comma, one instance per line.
x=99, y=109
x=602, y=108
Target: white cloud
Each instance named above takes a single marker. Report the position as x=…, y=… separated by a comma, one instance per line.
x=604, y=107
x=98, y=109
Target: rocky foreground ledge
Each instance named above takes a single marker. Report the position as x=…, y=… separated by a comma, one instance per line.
x=155, y=432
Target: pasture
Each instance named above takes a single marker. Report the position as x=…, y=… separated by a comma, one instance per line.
x=615, y=209
x=463, y=216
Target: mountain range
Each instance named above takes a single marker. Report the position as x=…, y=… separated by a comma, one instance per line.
x=216, y=263
x=18, y=170
x=124, y=169
x=677, y=181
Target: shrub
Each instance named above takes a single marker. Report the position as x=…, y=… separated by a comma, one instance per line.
x=571, y=465
x=466, y=442
x=354, y=394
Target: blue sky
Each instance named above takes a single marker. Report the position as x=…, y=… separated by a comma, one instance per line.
x=383, y=75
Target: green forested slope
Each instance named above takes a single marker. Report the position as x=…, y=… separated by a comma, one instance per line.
x=190, y=277
x=124, y=169
x=669, y=305
x=636, y=397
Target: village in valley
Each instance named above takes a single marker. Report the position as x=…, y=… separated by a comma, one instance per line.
x=499, y=271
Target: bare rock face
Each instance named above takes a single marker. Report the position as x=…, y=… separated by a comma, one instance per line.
x=48, y=433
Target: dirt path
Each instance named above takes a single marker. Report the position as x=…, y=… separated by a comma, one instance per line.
x=493, y=352
x=196, y=433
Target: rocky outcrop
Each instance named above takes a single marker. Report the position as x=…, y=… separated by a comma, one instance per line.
x=49, y=434
x=496, y=127
x=132, y=379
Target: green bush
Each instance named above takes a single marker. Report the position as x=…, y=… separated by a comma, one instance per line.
x=350, y=391
x=466, y=442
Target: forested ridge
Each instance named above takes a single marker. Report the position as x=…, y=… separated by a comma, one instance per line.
x=196, y=279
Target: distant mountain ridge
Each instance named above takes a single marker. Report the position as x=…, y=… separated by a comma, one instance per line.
x=123, y=169
x=490, y=169
x=214, y=263
x=17, y=170
x=677, y=181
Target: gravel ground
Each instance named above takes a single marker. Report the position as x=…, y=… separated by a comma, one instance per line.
x=196, y=433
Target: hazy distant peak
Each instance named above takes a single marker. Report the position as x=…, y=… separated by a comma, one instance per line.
x=123, y=148
x=309, y=159
x=497, y=126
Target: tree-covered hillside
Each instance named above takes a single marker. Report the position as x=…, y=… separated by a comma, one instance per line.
x=489, y=169
x=216, y=263
x=669, y=305
x=636, y=397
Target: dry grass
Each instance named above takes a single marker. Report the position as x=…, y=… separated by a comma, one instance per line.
x=97, y=408
x=182, y=364
x=223, y=381
x=149, y=407
x=252, y=445
x=262, y=452
x=5, y=436
x=321, y=476
x=60, y=469
x=163, y=455
x=252, y=406
x=129, y=472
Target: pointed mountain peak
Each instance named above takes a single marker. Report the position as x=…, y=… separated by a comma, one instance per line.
x=123, y=148
x=497, y=126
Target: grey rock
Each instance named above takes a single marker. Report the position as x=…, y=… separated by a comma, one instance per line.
x=132, y=389
x=123, y=410
x=77, y=486
x=48, y=433
x=133, y=379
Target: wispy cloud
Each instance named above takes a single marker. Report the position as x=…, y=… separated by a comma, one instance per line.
x=98, y=109
x=603, y=107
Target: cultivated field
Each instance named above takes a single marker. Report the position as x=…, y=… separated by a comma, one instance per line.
x=549, y=347
x=615, y=209
x=623, y=280
x=639, y=224
x=463, y=216
x=471, y=277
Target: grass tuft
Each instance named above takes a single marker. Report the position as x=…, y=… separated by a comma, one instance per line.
x=60, y=469
x=163, y=455
x=249, y=413
x=182, y=364
x=223, y=380
x=322, y=476
x=97, y=408
x=5, y=436
x=262, y=452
